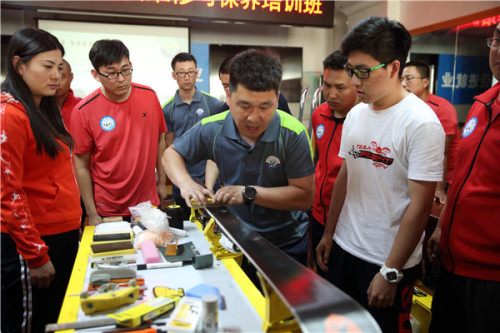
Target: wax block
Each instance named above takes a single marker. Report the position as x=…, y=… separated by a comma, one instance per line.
x=205, y=289
x=149, y=252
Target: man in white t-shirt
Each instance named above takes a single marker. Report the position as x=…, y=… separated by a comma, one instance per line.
x=392, y=146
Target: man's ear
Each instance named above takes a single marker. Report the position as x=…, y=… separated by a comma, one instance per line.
x=426, y=83
x=395, y=65
x=95, y=75
x=173, y=75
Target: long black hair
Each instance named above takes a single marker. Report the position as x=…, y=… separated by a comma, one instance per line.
x=46, y=121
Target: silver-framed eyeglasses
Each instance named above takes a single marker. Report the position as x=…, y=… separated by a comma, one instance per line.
x=184, y=74
x=361, y=73
x=114, y=75
x=493, y=42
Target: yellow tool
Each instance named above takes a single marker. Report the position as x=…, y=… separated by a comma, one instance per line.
x=109, y=296
x=168, y=292
x=218, y=250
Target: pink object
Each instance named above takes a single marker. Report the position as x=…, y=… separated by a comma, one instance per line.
x=149, y=252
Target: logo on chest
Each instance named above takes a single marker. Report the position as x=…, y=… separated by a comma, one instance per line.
x=320, y=130
x=107, y=123
x=469, y=127
x=200, y=112
x=272, y=163
x=374, y=152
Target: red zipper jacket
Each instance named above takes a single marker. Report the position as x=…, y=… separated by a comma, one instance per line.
x=327, y=136
x=470, y=228
x=40, y=196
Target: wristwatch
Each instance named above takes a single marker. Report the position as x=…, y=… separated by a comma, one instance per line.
x=249, y=194
x=391, y=275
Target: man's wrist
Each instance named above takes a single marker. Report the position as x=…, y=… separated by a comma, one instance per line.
x=390, y=274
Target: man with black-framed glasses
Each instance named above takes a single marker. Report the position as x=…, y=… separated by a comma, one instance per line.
x=392, y=146
x=119, y=135
x=415, y=79
x=188, y=106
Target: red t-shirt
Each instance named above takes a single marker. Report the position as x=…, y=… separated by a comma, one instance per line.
x=70, y=102
x=123, y=141
x=448, y=117
x=327, y=136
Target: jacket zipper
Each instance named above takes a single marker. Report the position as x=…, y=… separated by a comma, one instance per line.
x=326, y=168
x=490, y=122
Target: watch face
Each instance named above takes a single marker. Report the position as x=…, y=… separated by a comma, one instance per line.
x=250, y=192
x=391, y=276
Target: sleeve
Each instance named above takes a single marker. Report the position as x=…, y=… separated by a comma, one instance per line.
x=298, y=155
x=159, y=112
x=197, y=137
x=449, y=120
x=80, y=132
x=16, y=214
x=343, y=150
x=426, y=152
x=217, y=106
x=166, y=115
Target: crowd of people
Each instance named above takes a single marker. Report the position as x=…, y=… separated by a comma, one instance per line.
x=358, y=198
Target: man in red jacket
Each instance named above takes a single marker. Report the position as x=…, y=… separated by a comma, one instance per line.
x=468, y=233
x=64, y=94
x=328, y=119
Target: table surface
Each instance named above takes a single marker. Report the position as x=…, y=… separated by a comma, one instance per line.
x=239, y=314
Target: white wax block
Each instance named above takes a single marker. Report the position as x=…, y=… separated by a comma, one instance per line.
x=113, y=227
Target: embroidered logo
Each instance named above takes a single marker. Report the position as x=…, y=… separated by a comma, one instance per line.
x=200, y=112
x=320, y=130
x=272, y=163
x=107, y=123
x=373, y=152
x=469, y=127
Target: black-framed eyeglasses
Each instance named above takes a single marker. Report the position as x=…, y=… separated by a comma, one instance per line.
x=493, y=42
x=409, y=78
x=361, y=73
x=184, y=74
x=114, y=75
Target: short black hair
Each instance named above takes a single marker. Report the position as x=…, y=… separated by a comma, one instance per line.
x=383, y=39
x=181, y=57
x=106, y=52
x=421, y=67
x=257, y=70
x=225, y=65
x=335, y=61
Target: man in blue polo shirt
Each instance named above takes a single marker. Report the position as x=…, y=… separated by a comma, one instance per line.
x=188, y=106
x=263, y=156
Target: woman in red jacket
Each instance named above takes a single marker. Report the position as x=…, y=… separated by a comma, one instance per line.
x=40, y=212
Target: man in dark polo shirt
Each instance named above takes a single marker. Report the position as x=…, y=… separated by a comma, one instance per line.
x=263, y=155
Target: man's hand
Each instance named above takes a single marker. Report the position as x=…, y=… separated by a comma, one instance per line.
x=95, y=219
x=230, y=195
x=440, y=196
x=433, y=249
x=162, y=191
x=42, y=276
x=323, y=251
x=380, y=292
x=191, y=190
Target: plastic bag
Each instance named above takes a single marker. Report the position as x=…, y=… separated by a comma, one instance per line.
x=152, y=218
x=156, y=223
